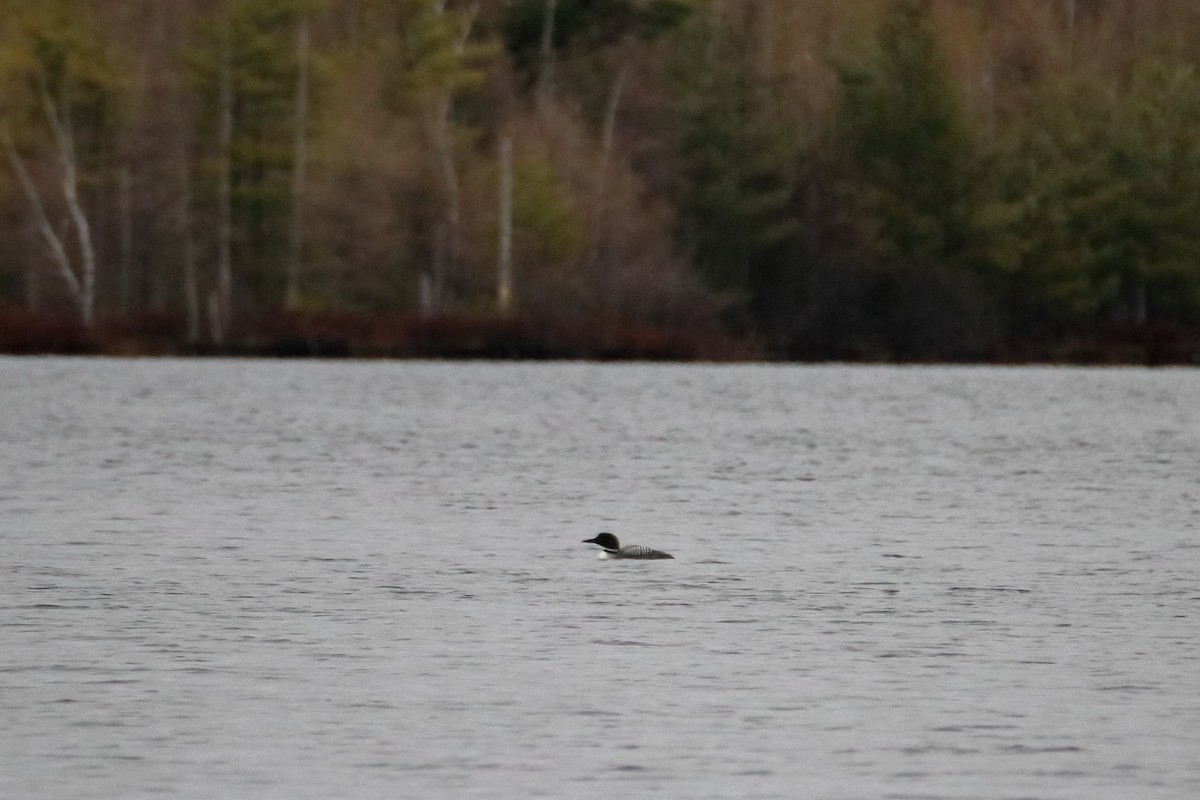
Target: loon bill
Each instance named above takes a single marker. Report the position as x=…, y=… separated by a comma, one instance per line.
x=612, y=548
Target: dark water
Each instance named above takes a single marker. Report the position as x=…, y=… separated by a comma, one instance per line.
x=307, y=580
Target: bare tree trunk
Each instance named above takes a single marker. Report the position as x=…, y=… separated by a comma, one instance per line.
x=125, y=212
x=82, y=286
x=425, y=294
x=33, y=288
x=431, y=287
x=440, y=133
x=64, y=142
x=504, y=278
x=300, y=164
x=216, y=325
x=444, y=152
x=546, y=58
x=607, y=137
x=187, y=233
x=57, y=249
x=224, y=296
x=1141, y=310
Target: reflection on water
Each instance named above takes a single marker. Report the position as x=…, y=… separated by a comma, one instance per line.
x=254, y=579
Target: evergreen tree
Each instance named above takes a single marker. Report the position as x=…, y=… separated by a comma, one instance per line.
x=908, y=215
x=907, y=149
x=1105, y=181
x=431, y=60
x=735, y=202
x=263, y=68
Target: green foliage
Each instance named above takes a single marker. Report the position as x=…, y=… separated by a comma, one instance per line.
x=1107, y=181
x=818, y=161
x=546, y=228
x=907, y=147
x=264, y=68
x=49, y=49
x=427, y=56
x=734, y=210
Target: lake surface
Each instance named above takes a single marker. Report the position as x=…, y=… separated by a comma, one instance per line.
x=250, y=579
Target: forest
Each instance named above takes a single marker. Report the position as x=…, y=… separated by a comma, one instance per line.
x=890, y=180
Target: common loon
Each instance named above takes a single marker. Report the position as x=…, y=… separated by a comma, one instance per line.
x=612, y=548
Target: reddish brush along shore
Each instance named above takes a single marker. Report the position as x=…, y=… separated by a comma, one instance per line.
x=24, y=332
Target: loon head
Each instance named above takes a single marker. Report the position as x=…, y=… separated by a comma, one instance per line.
x=606, y=540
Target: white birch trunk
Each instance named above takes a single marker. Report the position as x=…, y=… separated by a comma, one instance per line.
x=81, y=280
x=58, y=250
x=64, y=142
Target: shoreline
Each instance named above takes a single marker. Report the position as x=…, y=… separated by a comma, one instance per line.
x=467, y=337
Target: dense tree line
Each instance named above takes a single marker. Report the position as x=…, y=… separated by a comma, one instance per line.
x=877, y=178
